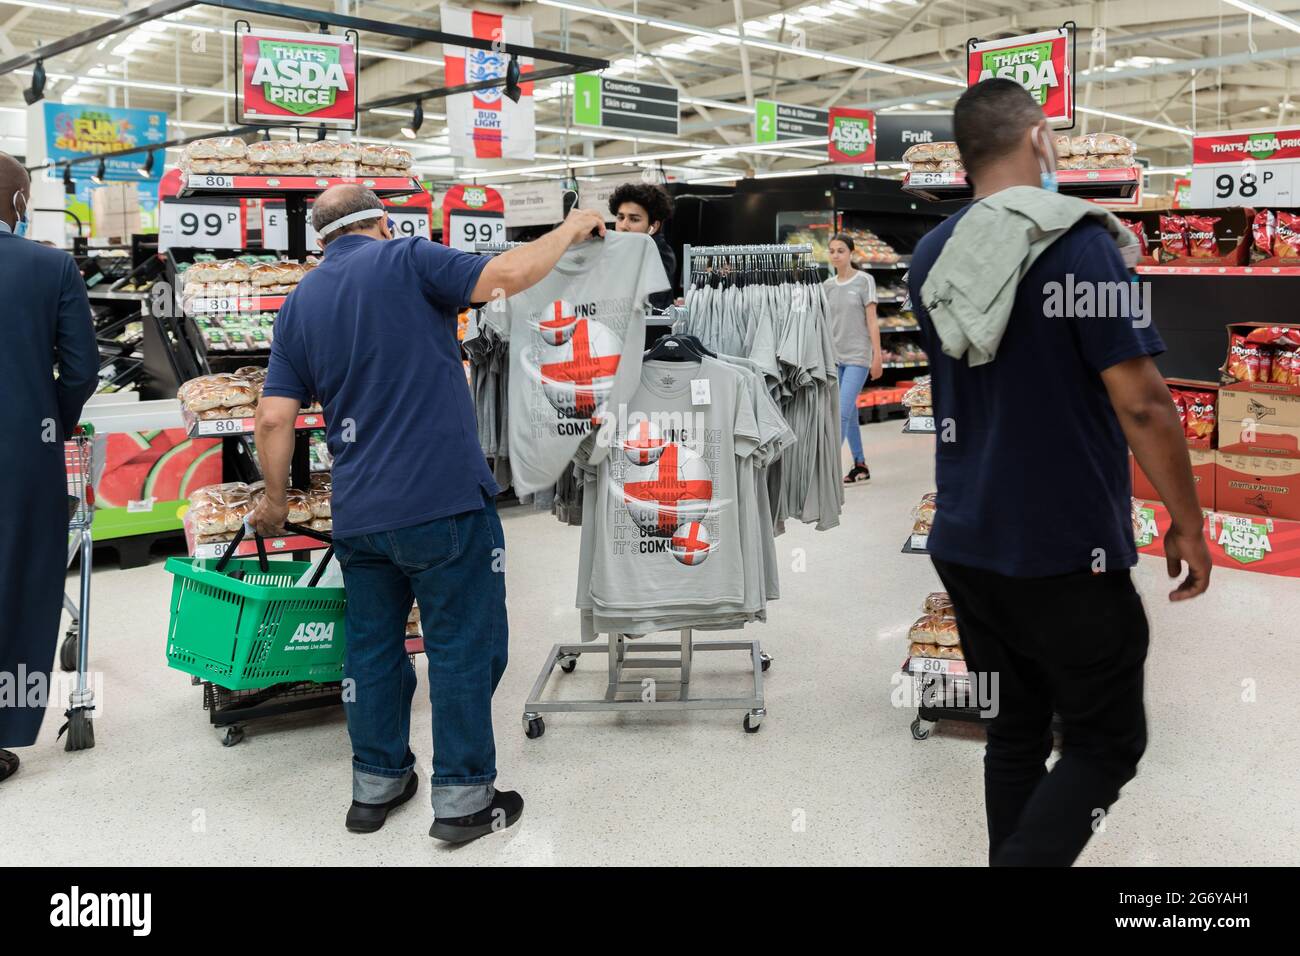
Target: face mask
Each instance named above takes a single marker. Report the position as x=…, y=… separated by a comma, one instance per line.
x=1046, y=175
x=20, y=227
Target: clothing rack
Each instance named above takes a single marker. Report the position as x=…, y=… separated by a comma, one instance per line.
x=690, y=253
x=644, y=694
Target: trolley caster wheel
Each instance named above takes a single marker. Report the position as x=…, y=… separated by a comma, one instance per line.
x=920, y=732
x=68, y=650
x=569, y=664
x=534, y=727
x=767, y=662
x=754, y=720
x=233, y=736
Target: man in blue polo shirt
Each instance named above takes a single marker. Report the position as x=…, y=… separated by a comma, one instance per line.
x=1033, y=484
x=371, y=333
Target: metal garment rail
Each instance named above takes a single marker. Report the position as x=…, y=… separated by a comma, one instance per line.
x=690, y=253
x=496, y=248
x=643, y=695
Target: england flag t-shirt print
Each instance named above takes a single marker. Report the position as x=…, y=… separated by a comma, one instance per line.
x=576, y=340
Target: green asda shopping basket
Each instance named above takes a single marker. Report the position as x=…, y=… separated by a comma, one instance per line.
x=242, y=624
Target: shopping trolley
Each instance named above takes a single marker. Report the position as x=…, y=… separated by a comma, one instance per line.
x=79, y=454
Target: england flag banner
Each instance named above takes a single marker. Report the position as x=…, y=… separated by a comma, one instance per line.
x=487, y=124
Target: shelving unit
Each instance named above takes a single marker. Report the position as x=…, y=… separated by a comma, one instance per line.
x=1084, y=183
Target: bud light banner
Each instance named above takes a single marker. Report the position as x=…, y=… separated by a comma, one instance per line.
x=1040, y=62
x=291, y=78
x=487, y=124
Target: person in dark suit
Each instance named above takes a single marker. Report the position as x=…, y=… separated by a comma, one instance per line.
x=48, y=328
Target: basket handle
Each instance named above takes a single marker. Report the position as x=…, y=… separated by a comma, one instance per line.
x=321, y=536
x=262, y=562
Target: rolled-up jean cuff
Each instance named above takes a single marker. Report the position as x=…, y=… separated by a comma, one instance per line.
x=378, y=784
x=460, y=801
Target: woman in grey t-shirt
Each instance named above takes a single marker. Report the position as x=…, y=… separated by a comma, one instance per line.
x=851, y=301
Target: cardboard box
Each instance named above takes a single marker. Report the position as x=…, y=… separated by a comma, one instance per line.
x=1278, y=405
x=1257, y=485
x=1204, y=470
x=1260, y=439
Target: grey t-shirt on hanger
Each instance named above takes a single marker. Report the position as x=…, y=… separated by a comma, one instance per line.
x=575, y=349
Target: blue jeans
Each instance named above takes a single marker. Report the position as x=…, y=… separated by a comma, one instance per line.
x=455, y=568
x=852, y=378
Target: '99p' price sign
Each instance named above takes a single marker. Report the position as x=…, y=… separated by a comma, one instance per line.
x=200, y=225
x=408, y=223
x=467, y=230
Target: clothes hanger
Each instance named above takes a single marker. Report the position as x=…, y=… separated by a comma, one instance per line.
x=678, y=347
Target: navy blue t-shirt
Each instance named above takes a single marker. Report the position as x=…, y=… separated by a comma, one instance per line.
x=371, y=333
x=1036, y=476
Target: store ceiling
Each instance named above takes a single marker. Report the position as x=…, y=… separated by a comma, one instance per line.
x=1180, y=64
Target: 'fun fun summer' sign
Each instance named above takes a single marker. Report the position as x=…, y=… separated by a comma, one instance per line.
x=307, y=78
x=1040, y=62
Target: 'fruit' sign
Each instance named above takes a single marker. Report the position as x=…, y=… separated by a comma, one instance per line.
x=1040, y=62
x=306, y=78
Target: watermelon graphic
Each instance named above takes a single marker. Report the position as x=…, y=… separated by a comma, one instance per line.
x=129, y=457
x=174, y=474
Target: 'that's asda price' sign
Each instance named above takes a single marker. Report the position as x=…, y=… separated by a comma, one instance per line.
x=1040, y=62
x=288, y=78
x=852, y=135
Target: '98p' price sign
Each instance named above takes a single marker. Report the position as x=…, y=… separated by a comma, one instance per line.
x=200, y=225
x=467, y=230
x=1243, y=184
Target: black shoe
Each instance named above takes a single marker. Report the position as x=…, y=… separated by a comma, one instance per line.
x=369, y=817
x=504, y=811
x=858, y=472
x=8, y=764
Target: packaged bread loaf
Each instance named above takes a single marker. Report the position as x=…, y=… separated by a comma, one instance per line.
x=920, y=153
x=397, y=157
x=373, y=155
x=939, y=604
x=923, y=514
x=932, y=629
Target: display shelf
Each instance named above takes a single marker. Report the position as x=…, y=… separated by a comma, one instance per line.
x=949, y=666
x=902, y=264
x=1218, y=270
x=108, y=295
x=920, y=425
x=900, y=328
x=249, y=186
x=248, y=547
x=906, y=365
x=890, y=299
x=225, y=305
x=916, y=544
x=1085, y=183
x=219, y=427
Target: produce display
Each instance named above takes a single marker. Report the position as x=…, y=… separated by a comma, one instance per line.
x=903, y=350
x=216, y=511
x=898, y=320
x=1264, y=355
x=935, y=633
x=1087, y=151
x=870, y=249
x=232, y=156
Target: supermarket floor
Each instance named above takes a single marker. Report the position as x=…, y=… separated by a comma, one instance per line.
x=833, y=777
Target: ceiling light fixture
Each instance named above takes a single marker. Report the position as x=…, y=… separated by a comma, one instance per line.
x=512, y=79
x=36, y=92
x=417, y=120
x=147, y=169
x=101, y=173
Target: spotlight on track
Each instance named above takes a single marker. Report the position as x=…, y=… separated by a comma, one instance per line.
x=417, y=120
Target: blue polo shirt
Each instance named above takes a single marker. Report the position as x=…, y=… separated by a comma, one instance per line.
x=371, y=333
x=1035, y=476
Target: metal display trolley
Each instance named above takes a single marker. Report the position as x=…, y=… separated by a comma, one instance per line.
x=624, y=653
x=79, y=458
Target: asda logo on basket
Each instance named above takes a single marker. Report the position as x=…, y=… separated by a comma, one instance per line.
x=313, y=632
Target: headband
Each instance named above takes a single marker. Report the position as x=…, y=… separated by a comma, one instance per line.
x=349, y=219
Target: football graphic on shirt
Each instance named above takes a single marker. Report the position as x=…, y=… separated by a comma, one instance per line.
x=643, y=443
x=690, y=544
x=577, y=375
x=675, y=490
x=556, y=322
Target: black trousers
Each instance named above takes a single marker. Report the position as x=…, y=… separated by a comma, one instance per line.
x=1075, y=645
